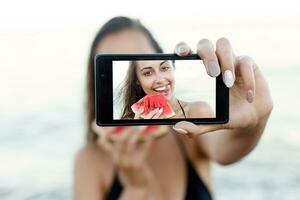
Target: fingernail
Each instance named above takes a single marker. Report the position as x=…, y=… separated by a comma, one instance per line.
x=250, y=96
x=181, y=49
x=140, y=110
x=141, y=127
x=228, y=78
x=213, y=68
x=180, y=130
x=156, y=110
x=160, y=110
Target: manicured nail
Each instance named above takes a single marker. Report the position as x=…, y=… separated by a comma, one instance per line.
x=250, y=96
x=180, y=130
x=213, y=68
x=181, y=49
x=228, y=78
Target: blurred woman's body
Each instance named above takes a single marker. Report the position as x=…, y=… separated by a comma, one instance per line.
x=158, y=169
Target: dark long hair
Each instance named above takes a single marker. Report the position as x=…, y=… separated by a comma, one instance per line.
x=114, y=25
x=130, y=92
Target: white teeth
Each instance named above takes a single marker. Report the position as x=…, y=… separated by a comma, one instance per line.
x=161, y=88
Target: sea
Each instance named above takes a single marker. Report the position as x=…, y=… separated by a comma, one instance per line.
x=42, y=85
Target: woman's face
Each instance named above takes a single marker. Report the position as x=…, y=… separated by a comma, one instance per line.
x=153, y=76
x=156, y=76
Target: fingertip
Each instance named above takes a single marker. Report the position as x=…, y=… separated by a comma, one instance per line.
x=228, y=78
x=182, y=49
x=179, y=130
x=213, y=68
x=183, y=124
x=140, y=129
x=140, y=110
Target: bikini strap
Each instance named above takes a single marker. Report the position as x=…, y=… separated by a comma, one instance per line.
x=181, y=108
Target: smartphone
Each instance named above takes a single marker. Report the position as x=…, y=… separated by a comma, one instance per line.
x=123, y=80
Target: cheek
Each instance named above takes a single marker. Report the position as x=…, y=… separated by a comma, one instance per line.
x=170, y=76
x=146, y=83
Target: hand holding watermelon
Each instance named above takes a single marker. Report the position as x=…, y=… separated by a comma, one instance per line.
x=154, y=106
x=127, y=153
x=153, y=114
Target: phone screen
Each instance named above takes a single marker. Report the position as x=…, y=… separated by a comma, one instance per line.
x=182, y=82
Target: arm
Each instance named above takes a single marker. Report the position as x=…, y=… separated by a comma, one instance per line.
x=227, y=146
x=250, y=104
x=88, y=179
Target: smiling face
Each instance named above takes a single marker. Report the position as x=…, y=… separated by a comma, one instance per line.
x=156, y=76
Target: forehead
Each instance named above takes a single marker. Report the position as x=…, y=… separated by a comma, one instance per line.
x=149, y=63
x=126, y=41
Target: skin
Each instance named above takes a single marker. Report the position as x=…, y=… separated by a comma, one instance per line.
x=156, y=169
x=156, y=74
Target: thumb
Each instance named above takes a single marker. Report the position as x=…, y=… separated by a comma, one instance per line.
x=137, y=114
x=194, y=129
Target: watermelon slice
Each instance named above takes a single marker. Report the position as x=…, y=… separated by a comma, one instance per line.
x=155, y=131
x=151, y=102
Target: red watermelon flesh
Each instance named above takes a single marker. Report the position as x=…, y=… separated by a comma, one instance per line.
x=151, y=102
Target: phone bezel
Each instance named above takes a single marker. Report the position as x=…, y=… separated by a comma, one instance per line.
x=104, y=92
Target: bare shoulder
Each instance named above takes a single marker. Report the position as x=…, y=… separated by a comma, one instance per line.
x=92, y=171
x=91, y=154
x=199, y=108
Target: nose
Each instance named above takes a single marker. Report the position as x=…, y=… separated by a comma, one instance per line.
x=159, y=78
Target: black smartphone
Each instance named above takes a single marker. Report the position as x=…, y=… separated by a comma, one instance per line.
x=131, y=88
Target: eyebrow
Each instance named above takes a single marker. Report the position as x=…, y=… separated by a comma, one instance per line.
x=151, y=67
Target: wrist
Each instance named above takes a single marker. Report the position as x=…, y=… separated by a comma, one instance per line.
x=253, y=131
x=256, y=127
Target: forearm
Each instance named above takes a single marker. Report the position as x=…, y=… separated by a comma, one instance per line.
x=149, y=193
x=230, y=145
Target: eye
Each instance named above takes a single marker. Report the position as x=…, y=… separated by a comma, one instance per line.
x=165, y=68
x=147, y=73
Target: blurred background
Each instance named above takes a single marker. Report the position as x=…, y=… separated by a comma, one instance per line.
x=43, y=58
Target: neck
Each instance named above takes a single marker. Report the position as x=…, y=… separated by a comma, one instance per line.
x=174, y=104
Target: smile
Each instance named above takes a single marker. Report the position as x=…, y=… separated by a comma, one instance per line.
x=163, y=89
